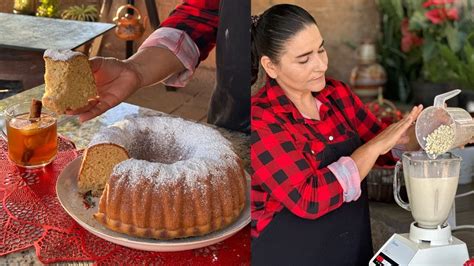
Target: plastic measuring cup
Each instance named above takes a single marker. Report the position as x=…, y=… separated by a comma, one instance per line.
x=434, y=116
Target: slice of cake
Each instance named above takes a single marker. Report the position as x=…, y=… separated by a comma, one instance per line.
x=69, y=80
x=97, y=165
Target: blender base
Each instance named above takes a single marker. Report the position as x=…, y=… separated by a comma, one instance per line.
x=400, y=250
x=435, y=237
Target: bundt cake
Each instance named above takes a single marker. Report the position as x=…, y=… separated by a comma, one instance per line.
x=69, y=82
x=182, y=179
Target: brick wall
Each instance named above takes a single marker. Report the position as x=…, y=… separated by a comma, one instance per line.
x=341, y=22
x=6, y=6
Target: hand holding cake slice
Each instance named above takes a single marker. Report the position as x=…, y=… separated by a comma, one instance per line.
x=69, y=80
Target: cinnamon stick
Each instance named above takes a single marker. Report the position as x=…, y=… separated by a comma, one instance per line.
x=35, y=110
x=27, y=155
x=34, y=116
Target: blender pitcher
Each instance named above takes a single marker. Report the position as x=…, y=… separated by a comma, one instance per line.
x=431, y=186
x=434, y=116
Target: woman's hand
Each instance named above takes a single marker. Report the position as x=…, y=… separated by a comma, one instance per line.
x=115, y=80
x=408, y=139
x=366, y=155
x=402, y=132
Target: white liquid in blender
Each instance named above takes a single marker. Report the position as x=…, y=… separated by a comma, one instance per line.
x=431, y=199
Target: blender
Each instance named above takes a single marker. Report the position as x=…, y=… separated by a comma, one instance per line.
x=431, y=181
x=431, y=188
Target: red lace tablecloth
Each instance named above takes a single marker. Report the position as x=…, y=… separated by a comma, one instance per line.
x=31, y=215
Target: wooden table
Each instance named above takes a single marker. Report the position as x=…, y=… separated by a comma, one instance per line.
x=38, y=33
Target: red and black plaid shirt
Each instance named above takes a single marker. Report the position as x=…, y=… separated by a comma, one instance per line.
x=285, y=148
x=199, y=19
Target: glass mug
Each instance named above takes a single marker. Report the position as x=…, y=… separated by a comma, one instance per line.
x=32, y=143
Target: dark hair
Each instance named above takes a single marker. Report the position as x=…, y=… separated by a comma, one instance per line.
x=272, y=29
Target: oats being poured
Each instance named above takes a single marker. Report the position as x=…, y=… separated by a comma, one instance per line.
x=439, y=141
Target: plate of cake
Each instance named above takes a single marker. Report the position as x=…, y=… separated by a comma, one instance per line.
x=157, y=184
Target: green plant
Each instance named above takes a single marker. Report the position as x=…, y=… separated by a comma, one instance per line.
x=448, y=54
x=453, y=67
x=83, y=13
x=401, y=67
x=429, y=40
x=48, y=8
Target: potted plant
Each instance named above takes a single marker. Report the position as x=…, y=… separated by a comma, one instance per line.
x=82, y=13
x=401, y=66
x=446, y=27
x=48, y=8
x=434, y=50
x=25, y=7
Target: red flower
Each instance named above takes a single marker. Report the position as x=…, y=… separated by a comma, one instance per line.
x=452, y=14
x=435, y=16
x=439, y=15
x=436, y=2
x=409, y=39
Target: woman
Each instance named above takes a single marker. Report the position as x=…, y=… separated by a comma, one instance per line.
x=313, y=143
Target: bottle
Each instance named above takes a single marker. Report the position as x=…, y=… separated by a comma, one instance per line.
x=368, y=77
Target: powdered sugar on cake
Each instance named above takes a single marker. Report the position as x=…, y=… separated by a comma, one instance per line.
x=165, y=149
x=61, y=55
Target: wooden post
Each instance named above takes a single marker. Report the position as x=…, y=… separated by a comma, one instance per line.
x=152, y=13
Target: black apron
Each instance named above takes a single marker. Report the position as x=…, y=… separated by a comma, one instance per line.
x=230, y=101
x=341, y=237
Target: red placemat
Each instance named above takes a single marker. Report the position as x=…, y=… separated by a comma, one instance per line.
x=31, y=215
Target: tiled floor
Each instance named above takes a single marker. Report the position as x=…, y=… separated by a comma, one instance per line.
x=190, y=102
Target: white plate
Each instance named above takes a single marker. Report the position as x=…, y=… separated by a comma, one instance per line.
x=72, y=202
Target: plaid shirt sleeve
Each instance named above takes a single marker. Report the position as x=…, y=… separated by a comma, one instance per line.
x=285, y=173
x=199, y=19
x=181, y=45
x=367, y=125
